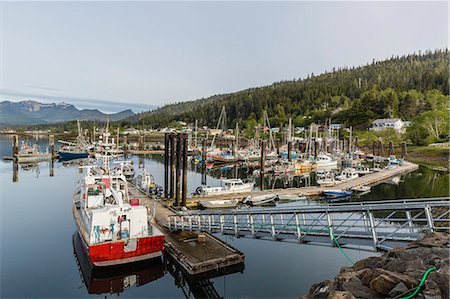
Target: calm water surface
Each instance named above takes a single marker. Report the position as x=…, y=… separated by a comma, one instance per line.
x=37, y=252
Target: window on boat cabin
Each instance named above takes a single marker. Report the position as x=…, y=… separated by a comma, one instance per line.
x=93, y=191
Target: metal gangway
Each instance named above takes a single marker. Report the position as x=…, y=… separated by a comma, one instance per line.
x=375, y=225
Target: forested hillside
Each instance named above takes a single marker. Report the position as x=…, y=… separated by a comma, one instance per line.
x=398, y=87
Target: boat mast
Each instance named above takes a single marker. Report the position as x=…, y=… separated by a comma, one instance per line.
x=219, y=122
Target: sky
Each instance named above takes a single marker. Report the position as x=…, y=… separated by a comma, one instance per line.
x=134, y=55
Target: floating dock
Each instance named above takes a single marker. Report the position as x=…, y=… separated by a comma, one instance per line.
x=197, y=253
x=370, y=179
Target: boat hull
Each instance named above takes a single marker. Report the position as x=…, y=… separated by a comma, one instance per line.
x=65, y=156
x=113, y=253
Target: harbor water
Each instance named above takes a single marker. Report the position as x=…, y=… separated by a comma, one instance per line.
x=37, y=248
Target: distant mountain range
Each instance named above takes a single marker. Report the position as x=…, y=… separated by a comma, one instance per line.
x=34, y=113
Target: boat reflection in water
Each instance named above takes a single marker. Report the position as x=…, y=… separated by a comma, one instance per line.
x=115, y=280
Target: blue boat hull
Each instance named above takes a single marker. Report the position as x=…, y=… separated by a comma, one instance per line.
x=66, y=156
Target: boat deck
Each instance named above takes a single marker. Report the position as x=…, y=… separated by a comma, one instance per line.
x=196, y=252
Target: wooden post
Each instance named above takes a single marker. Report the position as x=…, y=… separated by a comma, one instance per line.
x=289, y=150
x=166, y=164
x=391, y=148
x=178, y=172
x=15, y=170
x=51, y=141
x=52, y=167
x=125, y=144
x=204, y=161
x=262, y=164
x=172, y=165
x=15, y=147
x=404, y=150
x=316, y=148
x=374, y=144
x=278, y=147
x=184, y=185
x=356, y=141
x=381, y=148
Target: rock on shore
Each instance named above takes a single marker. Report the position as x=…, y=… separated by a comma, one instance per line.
x=395, y=274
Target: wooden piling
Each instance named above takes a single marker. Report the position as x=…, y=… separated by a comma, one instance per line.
x=404, y=150
x=184, y=183
x=51, y=142
x=289, y=151
x=262, y=164
x=15, y=147
x=125, y=144
x=381, y=148
x=177, y=171
x=374, y=145
x=172, y=165
x=391, y=148
x=166, y=165
x=316, y=148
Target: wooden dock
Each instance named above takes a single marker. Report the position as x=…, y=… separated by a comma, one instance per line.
x=371, y=179
x=196, y=252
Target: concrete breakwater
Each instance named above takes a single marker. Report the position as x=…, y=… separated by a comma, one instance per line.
x=396, y=274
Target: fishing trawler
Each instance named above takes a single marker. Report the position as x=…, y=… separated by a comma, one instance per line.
x=113, y=227
x=74, y=150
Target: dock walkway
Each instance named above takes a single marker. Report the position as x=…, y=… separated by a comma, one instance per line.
x=196, y=252
x=366, y=180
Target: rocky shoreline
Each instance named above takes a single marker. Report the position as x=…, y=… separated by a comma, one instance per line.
x=396, y=274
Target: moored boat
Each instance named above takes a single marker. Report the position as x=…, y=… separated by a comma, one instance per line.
x=336, y=193
x=114, y=228
x=229, y=186
x=347, y=174
x=325, y=161
x=31, y=153
x=260, y=199
x=219, y=204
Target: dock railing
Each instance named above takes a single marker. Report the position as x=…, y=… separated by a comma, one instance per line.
x=374, y=225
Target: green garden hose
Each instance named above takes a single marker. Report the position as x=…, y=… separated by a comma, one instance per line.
x=420, y=284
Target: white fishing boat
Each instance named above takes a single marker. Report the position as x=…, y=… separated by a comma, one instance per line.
x=31, y=153
x=126, y=168
x=347, y=174
x=325, y=178
x=219, y=204
x=361, y=169
x=260, y=199
x=325, y=161
x=229, y=186
x=113, y=227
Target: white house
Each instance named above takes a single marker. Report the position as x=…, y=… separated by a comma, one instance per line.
x=388, y=123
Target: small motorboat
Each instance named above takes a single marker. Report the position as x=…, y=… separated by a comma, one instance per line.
x=229, y=186
x=361, y=188
x=285, y=197
x=260, y=199
x=219, y=204
x=325, y=161
x=337, y=193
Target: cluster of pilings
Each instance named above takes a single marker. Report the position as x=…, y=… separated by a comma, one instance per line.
x=175, y=167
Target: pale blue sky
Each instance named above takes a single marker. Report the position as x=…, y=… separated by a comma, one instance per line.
x=159, y=52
